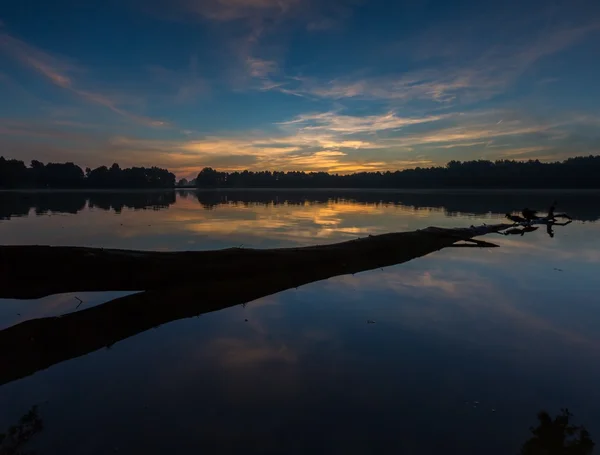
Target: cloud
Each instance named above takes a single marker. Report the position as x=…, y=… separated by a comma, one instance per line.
x=276, y=152
x=462, y=144
x=230, y=10
x=53, y=68
x=59, y=71
x=523, y=152
x=260, y=68
x=442, y=86
x=344, y=124
x=481, y=74
x=112, y=104
x=328, y=141
x=468, y=133
x=255, y=32
x=311, y=142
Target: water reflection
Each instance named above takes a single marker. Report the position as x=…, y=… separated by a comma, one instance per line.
x=255, y=218
x=20, y=203
x=513, y=328
x=582, y=205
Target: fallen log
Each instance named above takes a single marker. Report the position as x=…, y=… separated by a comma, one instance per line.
x=29, y=272
x=37, y=344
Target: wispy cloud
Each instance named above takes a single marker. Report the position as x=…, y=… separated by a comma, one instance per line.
x=345, y=124
x=54, y=68
x=59, y=71
x=331, y=141
x=462, y=144
x=340, y=143
x=113, y=104
x=480, y=76
x=258, y=30
x=424, y=85
x=526, y=153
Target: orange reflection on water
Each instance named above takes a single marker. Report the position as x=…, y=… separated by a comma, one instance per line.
x=327, y=221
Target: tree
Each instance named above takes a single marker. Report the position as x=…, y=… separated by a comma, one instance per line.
x=558, y=437
x=63, y=175
x=208, y=177
x=17, y=436
x=13, y=173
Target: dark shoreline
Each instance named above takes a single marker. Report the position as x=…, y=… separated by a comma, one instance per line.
x=310, y=189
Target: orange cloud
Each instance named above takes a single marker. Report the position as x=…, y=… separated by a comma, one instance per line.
x=53, y=68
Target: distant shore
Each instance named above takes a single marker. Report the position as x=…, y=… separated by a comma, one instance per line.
x=315, y=190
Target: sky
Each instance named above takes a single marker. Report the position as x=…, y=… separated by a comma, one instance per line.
x=312, y=85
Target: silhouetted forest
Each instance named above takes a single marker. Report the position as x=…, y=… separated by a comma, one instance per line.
x=15, y=174
x=581, y=172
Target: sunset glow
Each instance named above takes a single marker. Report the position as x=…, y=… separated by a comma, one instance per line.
x=337, y=86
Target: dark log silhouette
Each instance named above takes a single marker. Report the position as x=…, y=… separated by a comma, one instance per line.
x=211, y=281
x=36, y=271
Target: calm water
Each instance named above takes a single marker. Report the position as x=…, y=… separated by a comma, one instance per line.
x=514, y=328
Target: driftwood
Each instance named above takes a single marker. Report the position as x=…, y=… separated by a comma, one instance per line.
x=176, y=285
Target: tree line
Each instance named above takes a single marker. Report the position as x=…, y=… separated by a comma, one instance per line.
x=15, y=174
x=580, y=172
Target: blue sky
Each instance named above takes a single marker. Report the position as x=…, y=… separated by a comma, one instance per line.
x=334, y=85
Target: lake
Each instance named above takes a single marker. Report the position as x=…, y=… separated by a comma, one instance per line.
x=463, y=347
